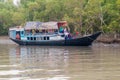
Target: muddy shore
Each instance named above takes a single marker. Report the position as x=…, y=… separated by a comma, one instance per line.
x=108, y=39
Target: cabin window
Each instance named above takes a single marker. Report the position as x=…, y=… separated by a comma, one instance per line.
x=47, y=38
x=44, y=38
x=34, y=38
x=40, y=38
x=62, y=35
x=28, y=38
x=31, y=38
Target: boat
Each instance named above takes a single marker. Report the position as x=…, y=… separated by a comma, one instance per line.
x=48, y=33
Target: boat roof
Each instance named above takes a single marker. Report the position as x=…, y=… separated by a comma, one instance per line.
x=40, y=25
x=49, y=25
x=18, y=28
x=32, y=25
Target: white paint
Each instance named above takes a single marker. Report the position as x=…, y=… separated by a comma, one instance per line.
x=56, y=38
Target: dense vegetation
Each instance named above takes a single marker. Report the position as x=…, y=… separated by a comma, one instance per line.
x=85, y=16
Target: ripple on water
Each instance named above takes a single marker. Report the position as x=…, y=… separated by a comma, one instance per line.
x=97, y=62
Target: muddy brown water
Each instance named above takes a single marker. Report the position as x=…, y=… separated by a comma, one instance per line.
x=96, y=62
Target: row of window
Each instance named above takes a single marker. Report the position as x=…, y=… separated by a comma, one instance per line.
x=38, y=38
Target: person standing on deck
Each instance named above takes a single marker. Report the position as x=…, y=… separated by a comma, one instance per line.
x=66, y=33
x=18, y=36
x=61, y=29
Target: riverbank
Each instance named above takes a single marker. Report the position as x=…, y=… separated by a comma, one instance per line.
x=4, y=37
x=108, y=39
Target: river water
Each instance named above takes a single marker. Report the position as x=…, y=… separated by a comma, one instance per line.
x=96, y=62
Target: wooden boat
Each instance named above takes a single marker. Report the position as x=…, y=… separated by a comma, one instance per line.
x=48, y=33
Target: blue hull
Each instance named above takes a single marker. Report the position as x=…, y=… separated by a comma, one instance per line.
x=83, y=41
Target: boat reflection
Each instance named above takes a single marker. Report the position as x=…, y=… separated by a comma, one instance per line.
x=45, y=61
x=45, y=56
x=63, y=63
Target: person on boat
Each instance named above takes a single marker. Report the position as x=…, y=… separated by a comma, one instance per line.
x=66, y=33
x=55, y=31
x=33, y=31
x=36, y=31
x=18, y=36
x=77, y=33
x=61, y=30
x=69, y=36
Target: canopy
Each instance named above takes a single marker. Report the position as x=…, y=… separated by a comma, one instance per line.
x=32, y=25
x=41, y=25
x=62, y=23
x=49, y=25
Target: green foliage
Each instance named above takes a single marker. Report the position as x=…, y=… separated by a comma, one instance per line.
x=5, y=18
x=85, y=16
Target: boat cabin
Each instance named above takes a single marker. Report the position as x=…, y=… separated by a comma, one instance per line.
x=16, y=33
x=33, y=31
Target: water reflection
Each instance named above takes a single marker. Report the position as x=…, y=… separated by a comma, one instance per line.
x=44, y=56
x=97, y=62
x=47, y=61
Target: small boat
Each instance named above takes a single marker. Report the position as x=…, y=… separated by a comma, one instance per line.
x=48, y=33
